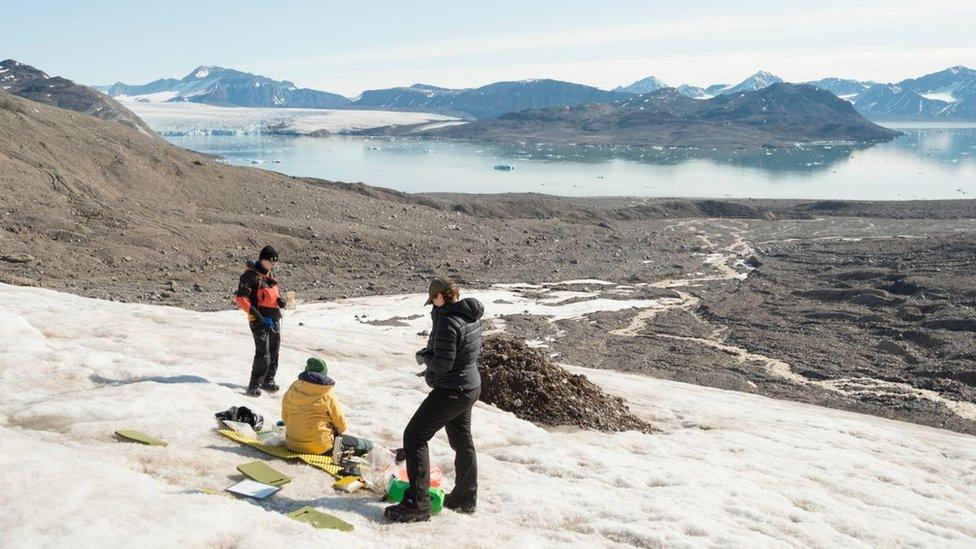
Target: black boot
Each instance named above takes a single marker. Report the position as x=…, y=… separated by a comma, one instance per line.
x=270, y=386
x=253, y=392
x=406, y=511
x=453, y=504
x=402, y=512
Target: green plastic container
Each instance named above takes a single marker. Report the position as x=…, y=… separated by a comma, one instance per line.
x=398, y=488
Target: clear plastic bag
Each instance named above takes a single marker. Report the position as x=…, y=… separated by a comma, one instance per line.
x=274, y=436
x=378, y=468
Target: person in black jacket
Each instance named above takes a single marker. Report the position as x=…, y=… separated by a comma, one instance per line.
x=451, y=357
x=259, y=295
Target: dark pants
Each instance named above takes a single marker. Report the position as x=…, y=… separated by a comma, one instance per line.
x=265, y=365
x=356, y=446
x=443, y=408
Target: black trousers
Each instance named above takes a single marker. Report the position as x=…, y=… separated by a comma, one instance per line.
x=265, y=365
x=449, y=409
x=356, y=446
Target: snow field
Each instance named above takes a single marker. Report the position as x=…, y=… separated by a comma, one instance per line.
x=726, y=468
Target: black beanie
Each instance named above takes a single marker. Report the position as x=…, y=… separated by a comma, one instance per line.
x=268, y=252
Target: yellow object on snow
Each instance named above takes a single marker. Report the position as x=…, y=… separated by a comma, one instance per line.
x=320, y=462
x=311, y=412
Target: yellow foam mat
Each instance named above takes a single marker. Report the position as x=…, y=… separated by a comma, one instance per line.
x=323, y=462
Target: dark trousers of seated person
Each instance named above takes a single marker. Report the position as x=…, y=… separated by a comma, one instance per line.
x=450, y=410
x=356, y=446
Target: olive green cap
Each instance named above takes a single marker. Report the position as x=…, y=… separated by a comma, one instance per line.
x=438, y=285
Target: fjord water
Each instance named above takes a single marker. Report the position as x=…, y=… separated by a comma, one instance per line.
x=931, y=162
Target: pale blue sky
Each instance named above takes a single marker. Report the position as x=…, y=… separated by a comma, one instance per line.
x=350, y=46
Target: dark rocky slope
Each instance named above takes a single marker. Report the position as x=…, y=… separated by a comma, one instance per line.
x=31, y=83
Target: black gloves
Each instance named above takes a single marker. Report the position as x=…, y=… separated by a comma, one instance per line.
x=421, y=356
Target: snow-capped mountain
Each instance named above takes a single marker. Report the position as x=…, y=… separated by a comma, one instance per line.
x=758, y=81
x=487, y=101
x=716, y=89
x=15, y=75
x=844, y=88
x=693, y=92
x=945, y=95
x=147, y=92
x=31, y=83
x=951, y=85
x=890, y=101
x=228, y=88
x=644, y=85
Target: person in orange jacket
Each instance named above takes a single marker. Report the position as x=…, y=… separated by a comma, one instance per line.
x=313, y=417
x=259, y=295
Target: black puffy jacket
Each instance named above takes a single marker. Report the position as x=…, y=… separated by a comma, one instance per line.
x=454, y=345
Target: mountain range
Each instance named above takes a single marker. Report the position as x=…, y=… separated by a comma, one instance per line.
x=941, y=96
x=31, y=83
x=228, y=88
x=755, y=82
x=559, y=112
x=944, y=95
x=487, y=101
x=777, y=115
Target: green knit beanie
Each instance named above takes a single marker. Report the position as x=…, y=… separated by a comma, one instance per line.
x=316, y=365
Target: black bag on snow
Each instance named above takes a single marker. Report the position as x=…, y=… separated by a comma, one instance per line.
x=242, y=414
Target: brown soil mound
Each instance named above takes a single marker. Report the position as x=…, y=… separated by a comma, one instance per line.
x=527, y=383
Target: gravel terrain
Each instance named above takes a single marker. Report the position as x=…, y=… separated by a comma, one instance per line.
x=861, y=306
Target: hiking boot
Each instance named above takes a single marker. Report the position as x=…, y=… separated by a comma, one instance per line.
x=454, y=505
x=270, y=387
x=405, y=513
x=253, y=392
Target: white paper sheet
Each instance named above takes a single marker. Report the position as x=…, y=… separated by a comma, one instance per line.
x=253, y=489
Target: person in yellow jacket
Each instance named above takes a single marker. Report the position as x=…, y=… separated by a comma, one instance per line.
x=313, y=417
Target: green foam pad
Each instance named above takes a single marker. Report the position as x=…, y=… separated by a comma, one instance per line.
x=318, y=519
x=140, y=437
x=263, y=473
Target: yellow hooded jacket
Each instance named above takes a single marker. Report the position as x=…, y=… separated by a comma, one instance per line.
x=311, y=412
